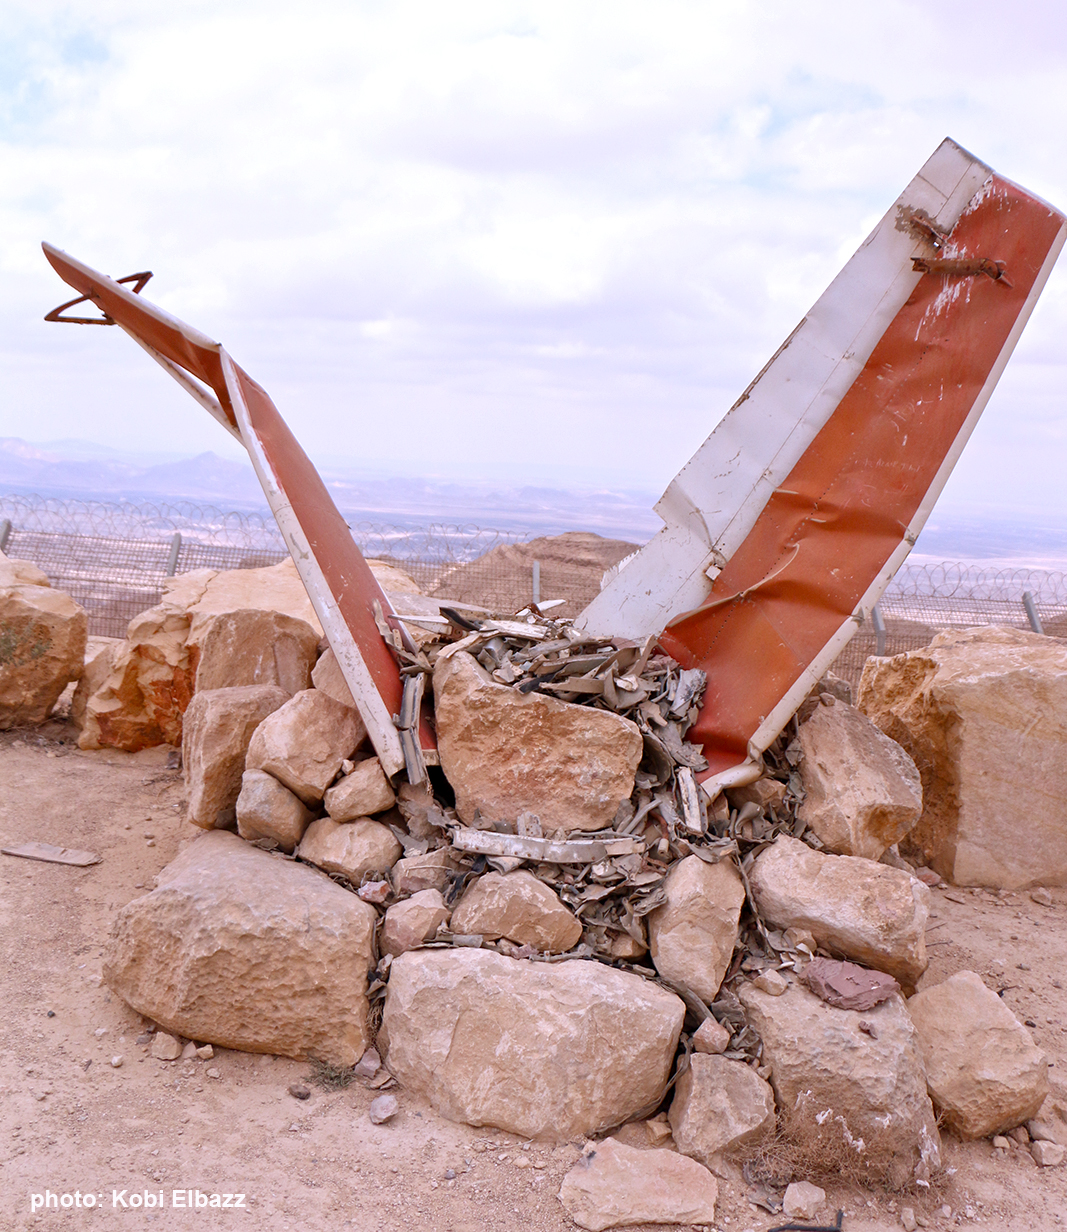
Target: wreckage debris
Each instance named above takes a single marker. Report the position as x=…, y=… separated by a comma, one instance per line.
x=626, y=788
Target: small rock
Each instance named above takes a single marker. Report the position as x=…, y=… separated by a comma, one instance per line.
x=983, y=1069
x=1000, y=1143
x=383, y=1109
x=519, y=907
x=144, y=1039
x=770, y=982
x=1047, y=1154
x=205, y=1052
x=862, y=792
x=907, y=1219
x=304, y=742
x=1019, y=1134
x=802, y=1200
x=100, y=1032
x=871, y=913
x=428, y=872
x=711, y=1037
x=214, y=1073
x=409, y=923
x=361, y=793
x=298, y=1091
x=1041, y=1131
x=847, y=985
x=216, y=729
x=368, y=1064
x=691, y=937
x=720, y=1106
x=1041, y=896
x=929, y=878
x=165, y=1047
x=116, y=1062
x=353, y=848
x=614, y=1185
x=267, y=809
x=375, y=892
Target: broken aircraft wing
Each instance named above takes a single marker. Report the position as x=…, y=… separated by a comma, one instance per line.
x=339, y=582
x=784, y=528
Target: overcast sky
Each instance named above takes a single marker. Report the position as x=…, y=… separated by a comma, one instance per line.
x=539, y=241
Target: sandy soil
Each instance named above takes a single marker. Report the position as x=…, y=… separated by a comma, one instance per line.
x=71, y=1122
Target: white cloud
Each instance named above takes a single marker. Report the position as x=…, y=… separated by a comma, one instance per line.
x=449, y=235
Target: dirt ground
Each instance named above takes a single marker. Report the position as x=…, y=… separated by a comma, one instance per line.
x=71, y=1122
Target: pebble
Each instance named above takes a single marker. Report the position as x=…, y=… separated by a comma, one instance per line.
x=189, y=1051
x=205, y=1052
x=151, y=842
x=116, y=1062
x=214, y=1073
x=1001, y=1143
x=1047, y=1154
x=1041, y=1131
x=907, y=1219
x=771, y=983
x=1041, y=896
x=1019, y=1134
x=100, y=1032
x=802, y=1200
x=165, y=1047
x=297, y=1091
x=383, y=1109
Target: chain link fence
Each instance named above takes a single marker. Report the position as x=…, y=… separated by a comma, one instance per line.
x=113, y=558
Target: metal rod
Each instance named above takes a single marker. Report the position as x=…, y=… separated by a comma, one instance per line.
x=1031, y=612
x=879, y=630
x=172, y=559
x=537, y=581
x=5, y=532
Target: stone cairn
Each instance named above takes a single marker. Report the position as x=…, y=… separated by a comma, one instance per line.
x=555, y=933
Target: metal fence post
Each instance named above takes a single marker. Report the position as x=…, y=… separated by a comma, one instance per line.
x=172, y=559
x=5, y=532
x=879, y=630
x=537, y=581
x=1031, y=612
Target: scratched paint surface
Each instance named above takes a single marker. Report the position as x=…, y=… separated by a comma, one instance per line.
x=834, y=522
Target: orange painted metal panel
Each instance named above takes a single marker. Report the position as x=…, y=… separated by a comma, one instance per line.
x=834, y=522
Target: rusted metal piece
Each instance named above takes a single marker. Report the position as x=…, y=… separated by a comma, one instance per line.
x=962, y=267
x=339, y=582
x=139, y=281
x=783, y=530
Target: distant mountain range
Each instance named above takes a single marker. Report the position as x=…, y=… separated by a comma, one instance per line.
x=81, y=469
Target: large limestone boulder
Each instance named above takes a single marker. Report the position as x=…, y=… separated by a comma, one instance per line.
x=851, y=1086
x=720, y=1107
x=211, y=629
x=865, y=911
x=862, y=792
x=618, y=1186
x=353, y=848
x=983, y=713
x=519, y=907
x=42, y=643
x=983, y=1069
x=507, y=753
x=304, y=742
x=247, y=950
x=218, y=727
x=691, y=937
x=267, y=810
x=546, y=1050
